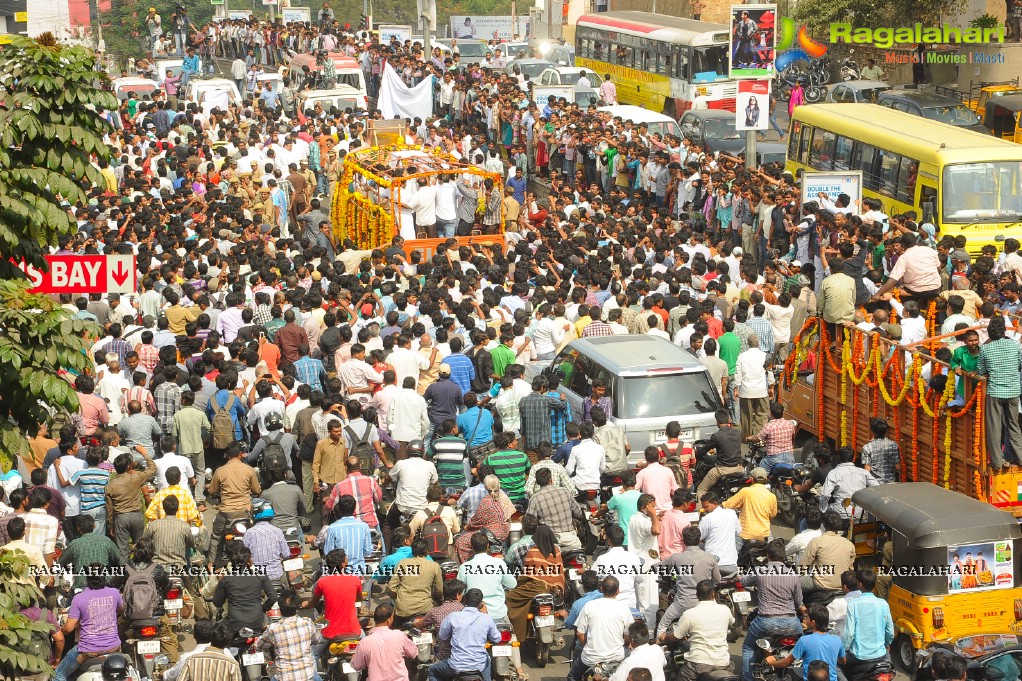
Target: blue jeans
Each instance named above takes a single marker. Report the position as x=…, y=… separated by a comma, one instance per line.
x=773, y=122
x=446, y=228
x=761, y=627
x=442, y=670
x=68, y=666
x=768, y=462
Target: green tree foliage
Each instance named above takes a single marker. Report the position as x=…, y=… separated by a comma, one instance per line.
x=16, y=629
x=819, y=14
x=50, y=130
x=124, y=27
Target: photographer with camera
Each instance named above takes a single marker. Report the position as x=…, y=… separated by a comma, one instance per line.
x=326, y=17
x=181, y=23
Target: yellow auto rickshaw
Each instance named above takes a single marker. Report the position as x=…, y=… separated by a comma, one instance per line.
x=1002, y=117
x=953, y=572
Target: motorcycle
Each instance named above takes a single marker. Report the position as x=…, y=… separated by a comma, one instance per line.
x=849, y=69
x=604, y=669
x=337, y=665
x=732, y=594
x=449, y=570
x=574, y=565
x=92, y=669
x=675, y=651
x=294, y=566
x=589, y=531
x=501, y=653
x=541, y=627
x=423, y=640
x=881, y=670
x=779, y=646
x=252, y=661
x=144, y=645
x=783, y=479
x=173, y=604
x=726, y=486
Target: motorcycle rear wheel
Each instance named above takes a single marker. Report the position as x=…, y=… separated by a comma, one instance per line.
x=542, y=654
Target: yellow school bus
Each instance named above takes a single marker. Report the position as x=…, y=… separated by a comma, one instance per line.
x=658, y=62
x=964, y=182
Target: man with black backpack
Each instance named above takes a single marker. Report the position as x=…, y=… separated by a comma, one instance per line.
x=363, y=440
x=276, y=449
x=437, y=524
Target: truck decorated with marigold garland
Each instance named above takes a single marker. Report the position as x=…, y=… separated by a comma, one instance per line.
x=833, y=387
x=367, y=200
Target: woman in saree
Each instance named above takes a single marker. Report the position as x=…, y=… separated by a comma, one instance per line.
x=492, y=514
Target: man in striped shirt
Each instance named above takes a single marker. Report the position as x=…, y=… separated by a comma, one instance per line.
x=92, y=483
x=510, y=466
x=213, y=662
x=450, y=457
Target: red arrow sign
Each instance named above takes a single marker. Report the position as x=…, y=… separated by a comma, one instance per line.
x=119, y=273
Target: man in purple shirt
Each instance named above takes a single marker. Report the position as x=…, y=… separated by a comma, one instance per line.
x=94, y=613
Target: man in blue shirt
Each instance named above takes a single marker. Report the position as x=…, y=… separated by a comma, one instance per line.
x=349, y=533
x=819, y=645
x=190, y=66
x=869, y=628
x=591, y=587
x=518, y=183
x=468, y=630
x=402, y=539
x=219, y=401
x=475, y=423
x=462, y=369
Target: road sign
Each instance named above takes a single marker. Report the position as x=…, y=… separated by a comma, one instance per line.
x=84, y=274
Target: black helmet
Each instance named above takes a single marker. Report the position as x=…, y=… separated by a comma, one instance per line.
x=116, y=668
x=416, y=448
x=273, y=421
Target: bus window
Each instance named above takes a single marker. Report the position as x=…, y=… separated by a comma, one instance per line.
x=803, y=153
x=793, y=140
x=843, y=153
x=663, y=64
x=597, y=50
x=928, y=202
x=908, y=172
x=822, y=155
x=863, y=159
x=888, y=172
x=711, y=59
x=645, y=62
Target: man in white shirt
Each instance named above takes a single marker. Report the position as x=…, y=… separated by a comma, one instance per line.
x=720, y=528
x=587, y=460
x=600, y=629
x=172, y=459
x=838, y=608
x=796, y=548
x=622, y=564
x=643, y=531
x=706, y=627
x=407, y=417
x=406, y=362
x=112, y=386
x=641, y=654
x=753, y=382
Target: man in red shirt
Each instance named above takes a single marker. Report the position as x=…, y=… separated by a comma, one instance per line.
x=340, y=593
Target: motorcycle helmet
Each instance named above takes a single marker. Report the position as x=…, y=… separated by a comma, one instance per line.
x=116, y=668
x=273, y=421
x=416, y=448
x=261, y=509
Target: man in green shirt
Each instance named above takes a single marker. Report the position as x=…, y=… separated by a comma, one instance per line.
x=191, y=425
x=728, y=347
x=502, y=355
x=89, y=549
x=625, y=502
x=509, y=465
x=965, y=360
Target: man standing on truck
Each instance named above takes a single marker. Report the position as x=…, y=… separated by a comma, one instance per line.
x=999, y=361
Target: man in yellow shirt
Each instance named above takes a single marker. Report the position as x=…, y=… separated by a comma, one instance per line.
x=186, y=509
x=756, y=506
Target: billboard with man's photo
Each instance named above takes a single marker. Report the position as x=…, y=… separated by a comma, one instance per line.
x=752, y=41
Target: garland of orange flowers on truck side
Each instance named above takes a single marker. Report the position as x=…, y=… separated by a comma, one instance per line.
x=860, y=367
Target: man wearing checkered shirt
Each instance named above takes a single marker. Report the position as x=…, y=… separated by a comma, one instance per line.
x=777, y=435
x=291, y=639
x=881, y=456
x=999, y=360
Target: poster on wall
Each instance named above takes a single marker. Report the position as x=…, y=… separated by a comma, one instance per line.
x=541, y=94
x=239, y=14
x=752, y=105
x=295, y=15
x=980, y=566
x=391, y=32
x=752, y=41
x=831, y=185
x=488, y=28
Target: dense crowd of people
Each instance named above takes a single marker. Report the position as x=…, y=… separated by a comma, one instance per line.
x=261, y=336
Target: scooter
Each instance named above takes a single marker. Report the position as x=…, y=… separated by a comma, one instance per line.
x=92, y=669
x=501, y=653
x=783, y=479
x=849, y=69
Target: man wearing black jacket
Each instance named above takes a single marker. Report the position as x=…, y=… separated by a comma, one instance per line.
x=727, y=442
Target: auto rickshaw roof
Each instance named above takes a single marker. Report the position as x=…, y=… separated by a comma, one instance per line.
x=1012, y=103
x=929, y=516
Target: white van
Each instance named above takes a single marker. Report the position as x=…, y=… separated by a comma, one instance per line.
x=342, y=97
x=201, y=90
x=164, y=65
x=657, y=122
x=144, y=88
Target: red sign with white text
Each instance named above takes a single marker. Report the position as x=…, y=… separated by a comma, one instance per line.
x=84, y=274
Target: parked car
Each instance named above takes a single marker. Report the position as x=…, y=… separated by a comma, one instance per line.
x=342, y=97
x=769, y=152
x=142, y=87
x=649, y=380
x=656, y=122
x=201, y=90
x=713, y=129
x=934, y=107
x=569, y=75
x=470, y=51
x=529, y=67
x=857, y=91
